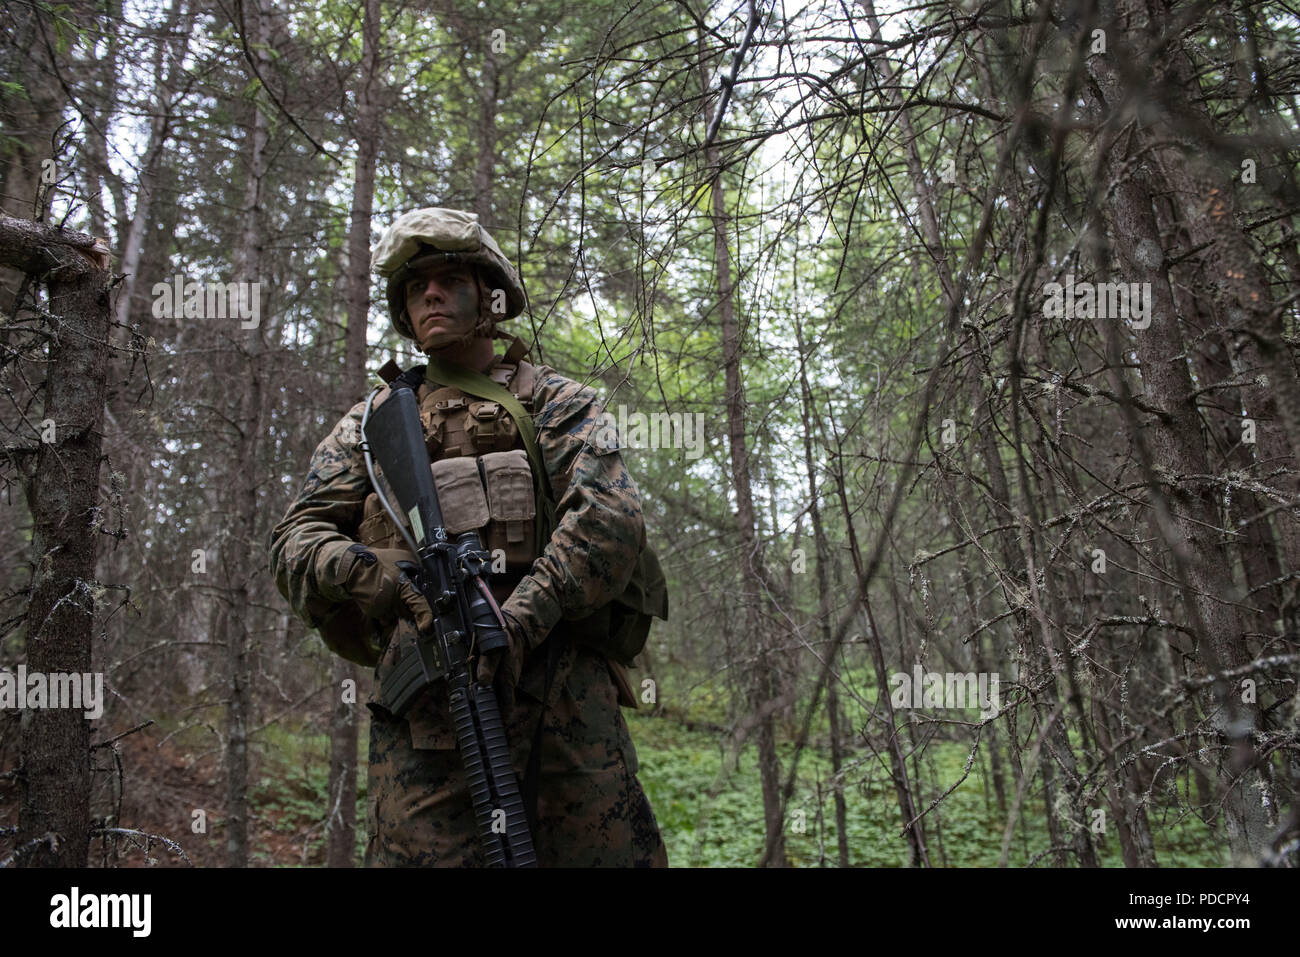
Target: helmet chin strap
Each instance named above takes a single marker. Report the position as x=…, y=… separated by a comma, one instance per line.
x=464, y=340
x=486, y=324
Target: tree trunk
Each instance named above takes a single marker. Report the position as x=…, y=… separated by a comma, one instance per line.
x=823, y=590
x=763, y=681
x=341, y=820
x=485, y=161
x=28, y=119
x=342, y=823
x=237, y=553
x=1187, y=516
x=61, y=489
x=912, y=825
x=160, y=125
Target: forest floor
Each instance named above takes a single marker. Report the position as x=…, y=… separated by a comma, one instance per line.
x=174, y=792
x=174, y=789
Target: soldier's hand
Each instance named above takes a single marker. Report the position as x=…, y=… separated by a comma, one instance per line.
x=504, y=666
x=380, y=588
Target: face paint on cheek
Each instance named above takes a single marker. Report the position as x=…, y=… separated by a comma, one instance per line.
x=465, y=301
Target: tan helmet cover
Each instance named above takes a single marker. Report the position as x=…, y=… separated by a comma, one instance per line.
x=445, y=235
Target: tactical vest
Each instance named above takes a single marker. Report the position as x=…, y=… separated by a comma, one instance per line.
x=481, y=471
x=481, y=467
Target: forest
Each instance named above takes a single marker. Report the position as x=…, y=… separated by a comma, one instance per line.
x=952, y=347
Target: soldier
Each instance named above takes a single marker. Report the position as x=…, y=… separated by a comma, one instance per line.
x=334, y=558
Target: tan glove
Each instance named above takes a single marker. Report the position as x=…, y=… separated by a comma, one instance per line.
x=381, y=590
x=505, y=666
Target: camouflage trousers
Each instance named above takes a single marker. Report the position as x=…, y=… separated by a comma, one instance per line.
x=591, y=810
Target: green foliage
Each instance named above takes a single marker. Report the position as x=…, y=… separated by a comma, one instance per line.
x=291, y=794
x=679, y=769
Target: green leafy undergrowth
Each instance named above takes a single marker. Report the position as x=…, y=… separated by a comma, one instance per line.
x=713, y=819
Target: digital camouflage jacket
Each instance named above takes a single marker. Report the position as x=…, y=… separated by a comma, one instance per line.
x=588, y=560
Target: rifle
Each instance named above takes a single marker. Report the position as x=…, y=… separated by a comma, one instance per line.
x=453, y=578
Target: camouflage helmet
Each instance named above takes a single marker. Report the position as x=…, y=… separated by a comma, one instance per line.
x=433, y=234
